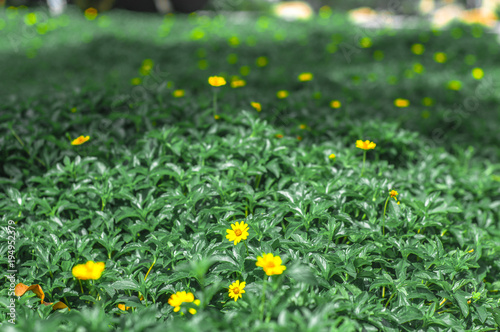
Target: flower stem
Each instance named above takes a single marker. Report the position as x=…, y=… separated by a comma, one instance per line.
x=364, y=159
x=387, y=303
x=263, y=298
x=385, y=208
x=246, y=246
x=81, y=287
x=215, y=102
x=154, y=262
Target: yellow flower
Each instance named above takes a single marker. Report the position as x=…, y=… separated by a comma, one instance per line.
x=417, y=49
x=180, y=297
x=236, y=289
x=393, y=193
x=123, y=307
x=216, y=116
x=238, y=232
x=256, y=105
x=279, y=135
x=262, y=61
x=73, y=110
x=216, y=81
x=454, y=85
x=299, y=138
x=178, y=93
x=440, y=57
x=335, y=104
x=304, y=77
x=303, y=126
x=401, y=102
x=89, y=270
x=238, y=83
x=80, y=140
x=271, y=264
x=90, y=14
x=332, y=156
x=477, y=73
x=366, y=145
x=282, y=94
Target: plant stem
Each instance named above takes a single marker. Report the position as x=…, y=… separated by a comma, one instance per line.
x=385, y=208
x=387, y=303
x=154, y=262
x=215, y=102
x=246, y=246
x=383, y=292
x=263, y=298
x=81, y=287
x=364, y=159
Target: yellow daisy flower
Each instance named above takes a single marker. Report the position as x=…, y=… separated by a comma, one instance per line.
x=216, y=81
x=400, y=102
x=238, y=232
x=271, y=264
x=304, y=77
x=282, y=94
x=257, y=106
x=89, y=270
x=80, y=140
x=178, y=93
x=335, y=104
x=180, y=297
x=332, y=156
x=366, y=145
x=393, y=194
x=236, y=289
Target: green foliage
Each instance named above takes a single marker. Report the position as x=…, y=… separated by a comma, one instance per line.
x=160, y=180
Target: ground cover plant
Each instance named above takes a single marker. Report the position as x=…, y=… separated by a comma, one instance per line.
x=219, y=173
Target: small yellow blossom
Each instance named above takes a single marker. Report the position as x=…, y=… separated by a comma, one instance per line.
x=73, y=110
x=178, y=93
x=332, y=156
x=123, y=307
x=401, y=102
x=216, y=81
x=262, y=61
x=335, y=104
x=304, y=77
x=477, y=73
x=366, y=145
x=216, y=116
x=256, y=105
x=89, y=270
x=282, y=94
x=90, y=14
x=238, y=83
x=299, y=138
x=234, y=41
x=303, y=126
x=440, y=57
x=470, y=251
x=454, y=85
x=80, y=140
x=417, y=49
x=238, y=232
x=181, y=297
x=236, y=289
x=271, y=264
x=279, y=135
x=393, y=194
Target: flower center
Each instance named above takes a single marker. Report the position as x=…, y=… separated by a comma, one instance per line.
x=237, y=232
x=236, y=290
x=271, y=264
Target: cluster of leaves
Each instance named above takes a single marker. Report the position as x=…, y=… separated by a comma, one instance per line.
x=161, y=180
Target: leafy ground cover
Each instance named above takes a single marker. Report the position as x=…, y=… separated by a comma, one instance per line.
x=164, y=175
